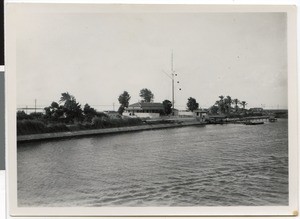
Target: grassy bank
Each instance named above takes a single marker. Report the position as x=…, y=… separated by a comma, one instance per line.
x=34, y=126
x=104, y=131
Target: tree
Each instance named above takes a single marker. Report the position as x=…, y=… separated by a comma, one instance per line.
x=121, y=110
x=89, y=112
x=54, y=105
x=221, y=104
x=214, y=110
x=228, y=102
x=72, y=109
x=192, y=104
x=243, y=103
x=54, y=112
x=236, y=102
x=147, y=95
x=87, y=109
x=167, y=107
x=66, y=97
x=21, y=115
x=124, y=101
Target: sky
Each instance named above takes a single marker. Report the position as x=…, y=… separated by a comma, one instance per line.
x=97, y=56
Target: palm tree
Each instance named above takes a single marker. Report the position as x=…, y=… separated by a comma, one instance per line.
x=228, y=102
x=65, y=97
x=243, y=103
x=71, y=108
x=220, y=104
x=236, y=102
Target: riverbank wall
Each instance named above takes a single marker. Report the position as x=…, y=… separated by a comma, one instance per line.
x=94, y=132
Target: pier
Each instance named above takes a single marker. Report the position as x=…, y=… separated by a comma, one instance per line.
x=248, y=119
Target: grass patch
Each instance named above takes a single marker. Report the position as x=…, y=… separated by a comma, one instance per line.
x=33, y=126
x=27, y=127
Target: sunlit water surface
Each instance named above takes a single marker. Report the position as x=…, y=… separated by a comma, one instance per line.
x=216, y=165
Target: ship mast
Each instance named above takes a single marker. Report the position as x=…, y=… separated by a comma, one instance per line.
x=172, y=77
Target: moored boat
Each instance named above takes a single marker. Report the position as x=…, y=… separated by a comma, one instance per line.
x=272, y=119
x=253, y=123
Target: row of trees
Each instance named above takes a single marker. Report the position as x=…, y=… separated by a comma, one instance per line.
x=148, y=96
x=224, y=105
x=70, y=111
x=124, y=98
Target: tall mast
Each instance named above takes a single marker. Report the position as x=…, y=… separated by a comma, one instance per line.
x=172, y=74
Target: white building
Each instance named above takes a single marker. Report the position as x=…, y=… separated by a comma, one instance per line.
x=144, y=110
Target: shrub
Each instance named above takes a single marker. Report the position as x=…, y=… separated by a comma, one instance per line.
x=37, y=116
x=21, y=115
x=105, y=122
x=57, y=128
x=33, y=126
x=97, y=122
x=26, y=127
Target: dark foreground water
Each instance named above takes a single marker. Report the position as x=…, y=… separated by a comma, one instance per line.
x=216, y=165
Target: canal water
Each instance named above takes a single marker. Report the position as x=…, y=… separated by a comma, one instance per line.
x=216, y=165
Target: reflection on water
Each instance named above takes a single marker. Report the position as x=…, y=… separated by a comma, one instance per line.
x=216, y=165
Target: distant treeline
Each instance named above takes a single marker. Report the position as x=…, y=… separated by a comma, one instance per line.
x=235, y=108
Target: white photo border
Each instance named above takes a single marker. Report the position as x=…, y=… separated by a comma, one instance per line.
x=12, y=10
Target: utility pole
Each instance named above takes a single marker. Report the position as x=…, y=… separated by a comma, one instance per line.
x=113, y=106
x=34, y=105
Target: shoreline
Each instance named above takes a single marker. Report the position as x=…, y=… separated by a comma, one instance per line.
x=91, y=132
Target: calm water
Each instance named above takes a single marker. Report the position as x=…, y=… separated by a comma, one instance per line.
x=216, y=165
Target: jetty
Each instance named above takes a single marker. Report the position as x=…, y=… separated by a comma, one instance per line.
x=220, y=119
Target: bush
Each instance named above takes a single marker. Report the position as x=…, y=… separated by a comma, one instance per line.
x=33, y=126
x=26, y=127
x=21, y=115
x=105, y=122
x=132, y=121
x=38, y=116
x=57, y=128
x=97, y=122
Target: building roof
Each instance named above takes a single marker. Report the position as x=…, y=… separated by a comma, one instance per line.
x=146, y=106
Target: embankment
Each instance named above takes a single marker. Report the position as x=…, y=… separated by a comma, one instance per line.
x=61, y=135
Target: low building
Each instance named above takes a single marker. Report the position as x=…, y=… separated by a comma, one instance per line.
x=144, y=110
x=175, y=112
x=201, y=114
x=185, y=113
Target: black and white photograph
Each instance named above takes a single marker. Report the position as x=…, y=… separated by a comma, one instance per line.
x=134, y=106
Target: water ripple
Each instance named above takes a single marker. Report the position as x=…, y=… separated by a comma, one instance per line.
x=229, y=165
